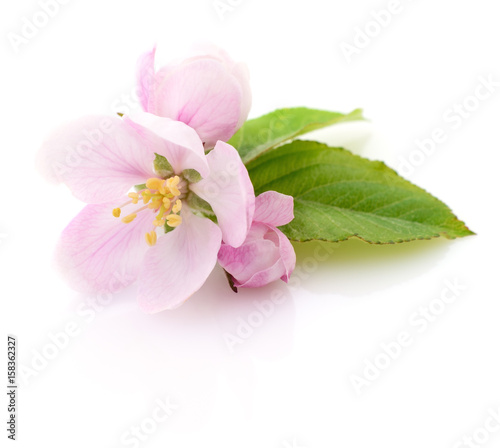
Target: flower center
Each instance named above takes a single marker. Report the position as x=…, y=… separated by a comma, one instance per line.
x=163, y=196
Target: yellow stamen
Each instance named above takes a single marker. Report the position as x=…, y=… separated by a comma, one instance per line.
x=151, y=238
x=174, y=220
x=173, y=181
x=155, y=202
x=175, y=191
x=154, y=183
x=177, y=207
x=159, y=222
x=172, y=185
x=134, y=197
x=161, y=212
x=160, y=195
x=129, y=218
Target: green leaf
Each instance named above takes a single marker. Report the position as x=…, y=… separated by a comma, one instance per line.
x=261, y=134
x=162, y=166
x=339, y=195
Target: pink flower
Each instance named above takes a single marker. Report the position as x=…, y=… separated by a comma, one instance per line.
x=158, y=234
x=209, y=92
x=267, y=254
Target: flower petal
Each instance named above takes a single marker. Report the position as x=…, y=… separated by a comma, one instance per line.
x=202, y=93
x=230, y=192
x=254, y=256
x=287, y=255
x=145, y=77
x=99, y=253
x=273, y=208
x=241, y=72
x=238, y=69
x=178, y=265
x=266, y=256
x=182, y=146
x=99, y=158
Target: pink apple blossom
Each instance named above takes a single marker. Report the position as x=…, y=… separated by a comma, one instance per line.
x=158, y=234
x=267, y=254
x=209, y=92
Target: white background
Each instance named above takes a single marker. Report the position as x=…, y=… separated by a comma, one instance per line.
x=289, y=383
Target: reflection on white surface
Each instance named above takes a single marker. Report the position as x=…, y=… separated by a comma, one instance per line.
x=380, y=266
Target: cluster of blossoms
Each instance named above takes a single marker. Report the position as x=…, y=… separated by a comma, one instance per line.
x=166, y=196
